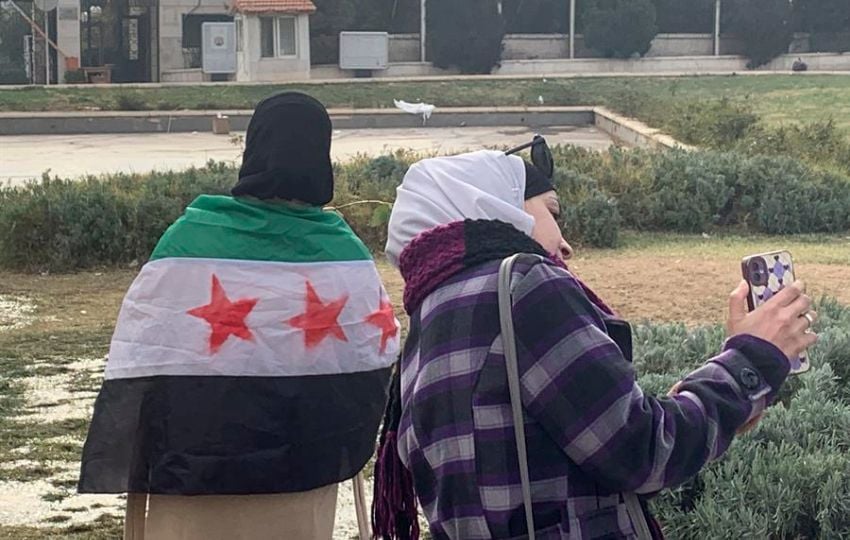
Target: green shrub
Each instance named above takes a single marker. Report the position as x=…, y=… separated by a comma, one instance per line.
x=818, y=143
x=465, y=35
x=75, y=76
x=791, y=198
x=688, y=191
x=696, y=191
x=830, y=41
x=588, y=215
x=130, y=101
x=536, y=16
x=764, y=26
x=63, y=225
x=685, y=16
x=719, y=124
x=620, y=28
x=821, y=16
x=790, y=477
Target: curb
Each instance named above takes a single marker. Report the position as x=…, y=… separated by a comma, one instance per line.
x=624, y=130
x=76, y=123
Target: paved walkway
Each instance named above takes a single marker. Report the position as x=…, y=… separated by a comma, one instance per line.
x=24, y=158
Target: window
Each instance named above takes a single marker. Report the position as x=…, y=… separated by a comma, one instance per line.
x=286, y=36
x=267, y=37
x=239, y=31
x=278, y=37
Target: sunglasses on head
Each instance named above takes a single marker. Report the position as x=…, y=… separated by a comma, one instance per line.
x=541, y=155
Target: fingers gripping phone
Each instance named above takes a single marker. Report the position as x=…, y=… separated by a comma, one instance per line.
x=767, y=274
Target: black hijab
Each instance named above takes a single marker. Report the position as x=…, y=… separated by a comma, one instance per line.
x=288, y=151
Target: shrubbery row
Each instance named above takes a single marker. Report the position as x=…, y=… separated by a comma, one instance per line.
x=63, y=225
x=790, y=478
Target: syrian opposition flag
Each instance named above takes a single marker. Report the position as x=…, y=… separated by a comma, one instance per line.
x=251, y=355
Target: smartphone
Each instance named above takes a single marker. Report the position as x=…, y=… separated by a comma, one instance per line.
x=767, y=274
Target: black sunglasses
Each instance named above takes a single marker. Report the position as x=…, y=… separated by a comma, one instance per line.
x=541, y=155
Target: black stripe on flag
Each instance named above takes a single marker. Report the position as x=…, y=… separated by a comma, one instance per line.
x=231, y=435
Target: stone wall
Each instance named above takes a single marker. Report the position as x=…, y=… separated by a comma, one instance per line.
x=405, y=47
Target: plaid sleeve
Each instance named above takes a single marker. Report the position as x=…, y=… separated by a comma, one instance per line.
x=579, y=387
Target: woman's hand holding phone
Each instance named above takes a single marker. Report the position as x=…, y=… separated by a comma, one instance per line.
x=785, y=320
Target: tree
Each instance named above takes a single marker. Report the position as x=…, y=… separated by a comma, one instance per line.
x=536, y=16
x=685, y=16
x=822, y=16
x=620, y=28
x=763, y=25
x=465, y=34
x=13, y=28
x=331, y=17
x=335, y=16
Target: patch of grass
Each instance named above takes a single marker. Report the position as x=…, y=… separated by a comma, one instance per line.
x=76, y=509
x=813, y=249
x=779, y=99
x=54, y=496
x=58, y=519
x=105, y=527
x=69, y=483
x=28, y=473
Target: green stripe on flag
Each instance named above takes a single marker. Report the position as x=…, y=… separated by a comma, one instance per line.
x=221, y=227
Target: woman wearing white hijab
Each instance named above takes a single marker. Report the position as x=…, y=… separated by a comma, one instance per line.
x=593, y=437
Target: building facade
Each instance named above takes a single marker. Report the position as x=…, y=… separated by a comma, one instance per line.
x=128, y=41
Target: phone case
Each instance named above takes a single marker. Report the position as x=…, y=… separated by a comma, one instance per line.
x=780, y=270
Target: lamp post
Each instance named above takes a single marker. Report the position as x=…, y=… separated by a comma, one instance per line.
x=717, y=27
x=422, y=16
x=572, y=29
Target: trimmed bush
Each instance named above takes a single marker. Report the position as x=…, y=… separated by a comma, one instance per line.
x=465, y=35
x=790, y=477
x=620, y=28
x=822, y=16
x=61, y=225
x=685, y=16
x=536, y=16
x=717, y=124
x=765, y=27
x=76, y=76
x=588, y=215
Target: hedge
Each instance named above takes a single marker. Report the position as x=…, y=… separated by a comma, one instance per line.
x=789, y=478
x=60, y=225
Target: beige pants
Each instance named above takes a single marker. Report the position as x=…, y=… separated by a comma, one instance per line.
x=296, y=516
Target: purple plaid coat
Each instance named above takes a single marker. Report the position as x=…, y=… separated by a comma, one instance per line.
x=592, y=432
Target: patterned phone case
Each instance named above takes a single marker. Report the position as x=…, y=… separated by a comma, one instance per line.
x=780, y=267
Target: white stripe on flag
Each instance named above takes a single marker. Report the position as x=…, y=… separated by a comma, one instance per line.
x=260, y=324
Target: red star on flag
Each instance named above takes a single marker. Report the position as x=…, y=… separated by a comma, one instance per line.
x=226, y=318
x=320, y=320
x=384, y=319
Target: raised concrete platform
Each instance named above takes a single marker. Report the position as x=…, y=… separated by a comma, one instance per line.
x=73, y=144
x=26, y=157
x=69, y=123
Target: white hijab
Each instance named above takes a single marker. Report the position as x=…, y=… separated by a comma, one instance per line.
x=439, y=191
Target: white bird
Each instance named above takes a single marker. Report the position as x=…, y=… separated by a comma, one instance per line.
x=540, y=100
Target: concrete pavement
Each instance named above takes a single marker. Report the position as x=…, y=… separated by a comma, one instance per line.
x=25, y=158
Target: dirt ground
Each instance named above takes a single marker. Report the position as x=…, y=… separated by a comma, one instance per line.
x=54, y=332
x=681, y=287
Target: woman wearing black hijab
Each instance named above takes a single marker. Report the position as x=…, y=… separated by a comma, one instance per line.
x=288, y=152
x=249, y=367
